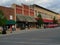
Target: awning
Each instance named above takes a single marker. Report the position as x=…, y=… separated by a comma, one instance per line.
x=25, y=18
x=10, y=22
x=45, y=20
x=20, y=18
x=34, y=20
x=30, y=19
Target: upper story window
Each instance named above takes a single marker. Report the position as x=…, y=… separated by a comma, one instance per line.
x=32, y=7
x=38, y=13
x=35, y=12
x=11, y=17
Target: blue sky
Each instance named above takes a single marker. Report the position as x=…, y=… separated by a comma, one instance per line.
x=49, y=4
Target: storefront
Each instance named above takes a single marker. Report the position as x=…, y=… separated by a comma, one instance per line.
x=31, y=22
x=25, y=22
x=20, y=21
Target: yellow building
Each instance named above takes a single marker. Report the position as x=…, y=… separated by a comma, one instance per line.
x=45, y=13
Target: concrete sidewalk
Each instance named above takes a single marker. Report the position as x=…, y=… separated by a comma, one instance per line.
x=27, y=30
x=24, y=31
x=21, y=31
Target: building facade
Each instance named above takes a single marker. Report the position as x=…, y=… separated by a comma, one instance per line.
x=26, y=15
x=46, y=14
x=8, y=12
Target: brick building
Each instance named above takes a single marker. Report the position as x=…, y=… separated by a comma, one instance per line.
x=8, y=12
x=26, y=15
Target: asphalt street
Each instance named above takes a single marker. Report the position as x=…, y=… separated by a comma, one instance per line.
x=33, y=37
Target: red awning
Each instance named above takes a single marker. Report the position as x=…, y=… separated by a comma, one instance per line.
x=45, y=20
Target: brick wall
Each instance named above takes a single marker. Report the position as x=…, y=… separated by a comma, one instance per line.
x=25, y=10
x=31, y=12
x=7, y=12
x=18, y=9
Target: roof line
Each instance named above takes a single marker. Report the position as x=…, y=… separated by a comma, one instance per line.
x=44, y=8
x=6, y=7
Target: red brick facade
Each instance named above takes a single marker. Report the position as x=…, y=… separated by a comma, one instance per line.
x=31, y=12
x=25, y=10
x=18, y=9
x=7, y=12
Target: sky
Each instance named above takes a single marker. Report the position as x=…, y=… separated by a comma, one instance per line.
x=53, y=5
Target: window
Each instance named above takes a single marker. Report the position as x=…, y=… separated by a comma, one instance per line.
x=35, y=12
x=11, y=17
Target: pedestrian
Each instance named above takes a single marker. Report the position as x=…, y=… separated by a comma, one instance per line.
x=13, y=28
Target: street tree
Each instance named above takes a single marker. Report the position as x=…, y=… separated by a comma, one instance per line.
x=40, y=21
x=54, y=20
x=2, y=21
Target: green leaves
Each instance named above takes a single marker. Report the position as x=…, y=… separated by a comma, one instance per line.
x=54, y=20
x=2, y=19
x=40, y=21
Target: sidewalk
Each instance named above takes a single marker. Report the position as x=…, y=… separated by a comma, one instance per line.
x=26, y=30
x=20, y=31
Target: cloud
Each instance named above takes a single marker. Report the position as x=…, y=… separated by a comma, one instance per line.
x=55, y=6
x=50, y=4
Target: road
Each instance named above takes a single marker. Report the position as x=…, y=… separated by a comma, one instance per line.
x=35, y=37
